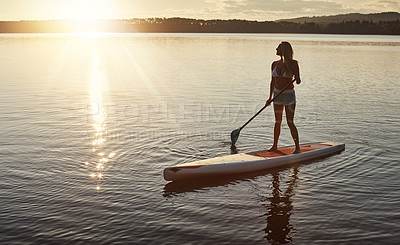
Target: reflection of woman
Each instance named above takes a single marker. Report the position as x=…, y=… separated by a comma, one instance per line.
x=278, y=217
x=283, y=71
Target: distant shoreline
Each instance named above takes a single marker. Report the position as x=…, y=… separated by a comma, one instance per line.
x=382, y=25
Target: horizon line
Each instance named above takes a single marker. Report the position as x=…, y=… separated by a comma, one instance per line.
x=177, y=17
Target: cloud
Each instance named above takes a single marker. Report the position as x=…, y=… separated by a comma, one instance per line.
x=384, y=4
x=282, y=9
x=276, y=9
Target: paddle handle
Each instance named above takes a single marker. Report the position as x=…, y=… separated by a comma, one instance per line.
x=286, y=87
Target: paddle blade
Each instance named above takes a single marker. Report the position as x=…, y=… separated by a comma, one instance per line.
x=235, y=136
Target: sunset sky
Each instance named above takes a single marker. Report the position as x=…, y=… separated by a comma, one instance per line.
x=199, y=9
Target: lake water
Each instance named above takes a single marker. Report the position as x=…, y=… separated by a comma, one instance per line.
x=89, y=122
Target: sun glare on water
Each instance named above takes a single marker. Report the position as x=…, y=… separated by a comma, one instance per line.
x=103, y=157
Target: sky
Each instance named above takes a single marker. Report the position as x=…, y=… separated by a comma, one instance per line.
x=198, y=9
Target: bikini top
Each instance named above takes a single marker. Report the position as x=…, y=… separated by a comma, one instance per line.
x=275, y=73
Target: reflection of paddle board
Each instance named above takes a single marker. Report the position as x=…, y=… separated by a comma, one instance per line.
x=248, y=162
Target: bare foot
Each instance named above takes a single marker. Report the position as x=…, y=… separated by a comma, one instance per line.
x=297, y=151
x=273, y=148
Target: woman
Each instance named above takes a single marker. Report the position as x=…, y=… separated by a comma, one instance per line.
x=283, y=71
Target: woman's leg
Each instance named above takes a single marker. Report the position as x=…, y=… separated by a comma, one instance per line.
x=289, y=109
x=278, y=110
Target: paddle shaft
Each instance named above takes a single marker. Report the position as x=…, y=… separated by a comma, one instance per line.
x=287, y=86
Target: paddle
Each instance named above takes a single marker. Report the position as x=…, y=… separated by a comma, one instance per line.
x=235, y=133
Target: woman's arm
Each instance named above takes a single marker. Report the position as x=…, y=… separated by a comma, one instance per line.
x=271, y=86
x=297, y=73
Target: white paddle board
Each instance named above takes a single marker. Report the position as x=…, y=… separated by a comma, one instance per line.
x=249, y=162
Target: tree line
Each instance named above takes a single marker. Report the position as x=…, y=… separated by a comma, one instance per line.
x=184, y=25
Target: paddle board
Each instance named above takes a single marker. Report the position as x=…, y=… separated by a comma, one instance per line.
x=248, y=162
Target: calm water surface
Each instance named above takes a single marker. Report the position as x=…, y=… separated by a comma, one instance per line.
x=89, y=122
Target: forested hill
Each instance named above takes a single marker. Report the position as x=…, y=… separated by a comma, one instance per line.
x=386, y=16
x=347, y=25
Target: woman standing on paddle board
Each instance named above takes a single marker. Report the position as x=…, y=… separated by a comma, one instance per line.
x=283, y=71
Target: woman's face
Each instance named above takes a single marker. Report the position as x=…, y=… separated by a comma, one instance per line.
x=279, y=50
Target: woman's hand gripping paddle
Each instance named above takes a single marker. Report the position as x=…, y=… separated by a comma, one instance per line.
x=235, y=133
